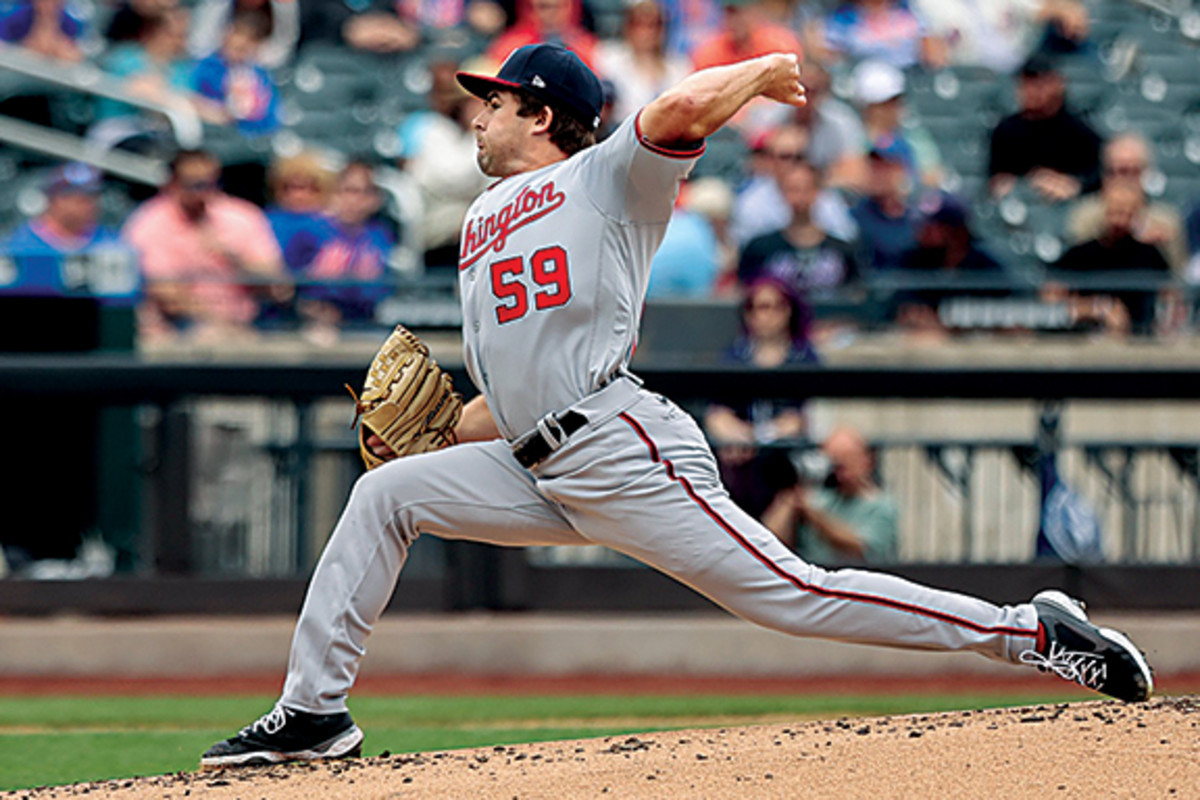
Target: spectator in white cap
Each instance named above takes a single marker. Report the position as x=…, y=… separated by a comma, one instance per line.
x=879, y=92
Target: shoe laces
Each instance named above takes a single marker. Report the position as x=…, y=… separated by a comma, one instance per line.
x=1086, y=669
x=270, y=723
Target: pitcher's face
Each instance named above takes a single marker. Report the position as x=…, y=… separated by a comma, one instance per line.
x=501, y=136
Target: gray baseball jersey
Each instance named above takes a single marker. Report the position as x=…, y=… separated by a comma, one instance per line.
x=553, y=274
x=553, y=271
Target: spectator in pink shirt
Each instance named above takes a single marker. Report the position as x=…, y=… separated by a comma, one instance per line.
x=206, y=256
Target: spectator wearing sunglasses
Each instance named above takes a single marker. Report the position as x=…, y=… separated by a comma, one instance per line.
x=775, y=334
x=760, y=207
x=207, y=257
x=347, y=273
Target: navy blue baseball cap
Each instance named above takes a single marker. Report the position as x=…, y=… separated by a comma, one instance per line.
x=551, y=73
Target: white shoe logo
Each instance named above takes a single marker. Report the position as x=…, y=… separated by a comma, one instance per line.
x=272, y=722
x=1086, y=669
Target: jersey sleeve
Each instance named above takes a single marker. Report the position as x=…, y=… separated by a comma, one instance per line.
x=632, y=179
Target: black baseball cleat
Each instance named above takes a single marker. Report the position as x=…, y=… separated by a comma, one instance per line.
x=286, y=734
x=1073, y=648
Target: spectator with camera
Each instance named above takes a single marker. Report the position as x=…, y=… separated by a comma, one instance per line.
x=842, y=517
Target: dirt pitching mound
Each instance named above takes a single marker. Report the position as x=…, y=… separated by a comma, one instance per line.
x=1098, y=749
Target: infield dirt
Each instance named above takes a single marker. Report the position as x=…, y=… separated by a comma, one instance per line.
x=1097, y=749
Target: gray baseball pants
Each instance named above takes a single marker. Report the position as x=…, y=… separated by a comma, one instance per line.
x=640, y=479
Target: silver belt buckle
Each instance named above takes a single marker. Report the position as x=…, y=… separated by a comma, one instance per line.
x=551, y=431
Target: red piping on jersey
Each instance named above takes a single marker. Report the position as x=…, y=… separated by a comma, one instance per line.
x=697, y=148
x=857, y=597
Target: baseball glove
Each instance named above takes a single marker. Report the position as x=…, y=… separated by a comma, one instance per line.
x=407, y=400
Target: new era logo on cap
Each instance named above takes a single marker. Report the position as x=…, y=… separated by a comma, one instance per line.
x=550, y=72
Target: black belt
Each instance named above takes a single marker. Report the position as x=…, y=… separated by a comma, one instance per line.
x=536, y=448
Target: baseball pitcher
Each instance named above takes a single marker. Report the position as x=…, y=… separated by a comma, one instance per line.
x=563, y=446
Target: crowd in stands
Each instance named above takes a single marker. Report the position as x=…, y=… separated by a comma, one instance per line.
x=949, y=150
x=821, y=200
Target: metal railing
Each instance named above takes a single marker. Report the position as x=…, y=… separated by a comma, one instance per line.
x=245, y=465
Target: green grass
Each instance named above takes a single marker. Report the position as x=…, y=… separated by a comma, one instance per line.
x=56, y=740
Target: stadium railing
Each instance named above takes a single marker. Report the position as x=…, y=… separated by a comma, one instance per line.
x=240, y=536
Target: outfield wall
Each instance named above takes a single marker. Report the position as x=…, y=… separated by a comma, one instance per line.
x=691, y=644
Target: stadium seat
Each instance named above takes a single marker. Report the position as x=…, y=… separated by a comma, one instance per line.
x=724, y=157
x=314, y=90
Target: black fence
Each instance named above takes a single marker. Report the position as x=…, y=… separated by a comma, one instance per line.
x=476, y=576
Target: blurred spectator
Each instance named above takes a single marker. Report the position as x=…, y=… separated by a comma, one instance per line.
x=552, y=21
x=836, y=135
x=845, y=518
x=1044, y=142
x=1000, y=34
x=371, y=26
x=886, y=30
x=1192, y=272
x=945, y=248
x=879, y=90
x=774, y=334
x=391, y=26
x=759, y=206
x=1116, y=248
x=712, y=199
x=638, y=64
x=688, y=262
x=233, y=80
x=46, y=27
x=279, y=18
x=438, y=152
x=745, y=33
x=886, y=218
x=484, y=17
x=800, y=254
x=347, y=274
x=155, y=68
x=1128, y=157
x=125, y=25
x=69, y=226
x=301, y=186
x=206, y=256
x=690, y=22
